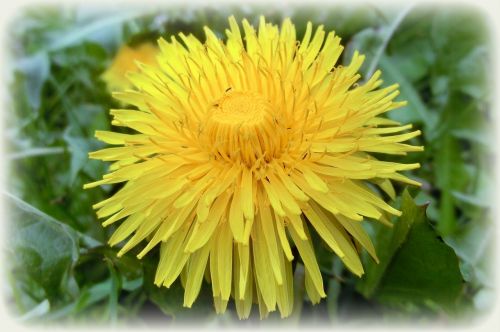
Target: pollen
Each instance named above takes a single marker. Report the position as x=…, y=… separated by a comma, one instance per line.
x=242, y=127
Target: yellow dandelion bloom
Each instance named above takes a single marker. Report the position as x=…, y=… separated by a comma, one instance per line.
x=241, y=147
x=125, y=61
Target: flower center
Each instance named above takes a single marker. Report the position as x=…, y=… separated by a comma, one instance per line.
x=242, y=125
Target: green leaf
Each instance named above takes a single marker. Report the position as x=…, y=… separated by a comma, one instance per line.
x=485, y=299
x=41, y=309
x=346, y=20
x=421, y=271
x=413, y=61
x=477, y=200
x=424, y=269
x=386, y=241
x=114, y=292
x=35, y=152
x=448, y=166
x=105, y=30
x=36, y=69
x=465, y=69
x=80, y=141
x=472, y=73
x=334, y=289
x=459, y=30
x=43, y=249
x=79, y=148
x=170, y=300
x=89, y=295
x=480, y=192
x=366, y=42
x=416, y=110
x=474, y=244
x=432, y=211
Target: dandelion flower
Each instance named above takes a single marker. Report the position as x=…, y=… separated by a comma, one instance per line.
x=240, y=148
x=125, y=61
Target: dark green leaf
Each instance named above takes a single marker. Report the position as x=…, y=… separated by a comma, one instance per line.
x=170, y=300
x=88, y=296
x=416, y=267
x=387, y=242
x=114, y=292
x=424, y=270
x=413, y=62
x=449, y=171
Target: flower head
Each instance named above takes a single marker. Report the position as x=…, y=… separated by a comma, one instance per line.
x=125, y=61
x=240, y=148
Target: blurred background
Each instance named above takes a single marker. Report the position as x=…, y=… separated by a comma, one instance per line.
x=63, y=63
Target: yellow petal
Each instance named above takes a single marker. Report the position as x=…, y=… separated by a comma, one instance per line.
x=307, y=254
x=224, y=260
x=236, y=216
x=195, y=270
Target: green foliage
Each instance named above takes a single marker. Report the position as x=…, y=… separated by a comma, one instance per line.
x=387, y=243
x=60, y=267
x=416, y=266
x=43, y=253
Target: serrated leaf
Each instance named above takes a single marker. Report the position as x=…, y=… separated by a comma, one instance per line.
x=386, y=241
x=416, y=267
x=425, y=270
x=474, y=245
x=41, y=247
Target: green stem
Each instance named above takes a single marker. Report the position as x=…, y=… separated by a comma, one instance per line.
x=388, y=35
x=35, y=152
x=447, y=220
x=299, y=281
